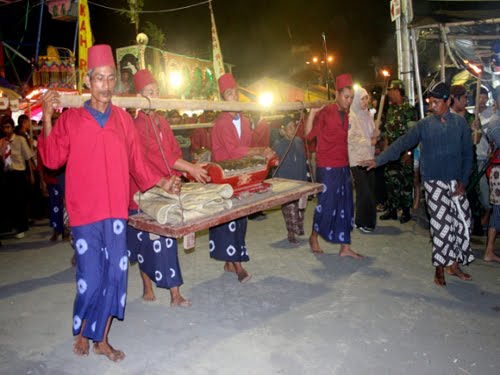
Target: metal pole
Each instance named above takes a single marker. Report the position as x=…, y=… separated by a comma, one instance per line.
x=399, y=47
x=442, y=62
x=326, y=66
x=42, y=4
x=417, y=73
x=407, y=66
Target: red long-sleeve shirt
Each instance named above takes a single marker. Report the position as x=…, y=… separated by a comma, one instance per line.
x=151, y=150
x=226, y=144
x=99, y=163
x=330, y=132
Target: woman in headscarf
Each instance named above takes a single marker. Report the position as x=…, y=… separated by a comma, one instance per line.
x=362, y=137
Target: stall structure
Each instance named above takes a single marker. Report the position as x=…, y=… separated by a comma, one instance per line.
x=178, y=76
x=463, y=38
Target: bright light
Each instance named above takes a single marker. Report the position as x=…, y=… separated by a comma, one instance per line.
x=475, y=68
x=308, y=62
x=33, y=93
x=266, y=99
x=330, y=58
x=386, y=73
x=175, y=79
x=356, y=86
x=315, y=59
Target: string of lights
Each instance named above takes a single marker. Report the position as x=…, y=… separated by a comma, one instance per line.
x=150, y=11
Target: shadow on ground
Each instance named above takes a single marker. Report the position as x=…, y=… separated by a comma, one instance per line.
x=66, y=276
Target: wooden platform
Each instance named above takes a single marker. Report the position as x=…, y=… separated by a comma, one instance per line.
x=281, y=191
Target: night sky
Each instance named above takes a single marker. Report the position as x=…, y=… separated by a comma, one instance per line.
x=255, y=35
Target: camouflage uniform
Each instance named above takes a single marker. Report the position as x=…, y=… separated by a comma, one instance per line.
x=399, y=174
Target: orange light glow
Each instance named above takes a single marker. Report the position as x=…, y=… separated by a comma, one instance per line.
x=386, y=73
x=475, y=68
x=315, y=59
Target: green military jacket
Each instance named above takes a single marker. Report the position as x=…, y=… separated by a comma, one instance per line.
x=397, y=120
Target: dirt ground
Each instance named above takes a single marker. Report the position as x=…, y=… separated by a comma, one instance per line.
x=300, y=313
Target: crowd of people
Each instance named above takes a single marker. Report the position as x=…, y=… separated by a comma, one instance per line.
x=90, y=161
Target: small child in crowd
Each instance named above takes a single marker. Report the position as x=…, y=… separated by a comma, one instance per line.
x=292, y=166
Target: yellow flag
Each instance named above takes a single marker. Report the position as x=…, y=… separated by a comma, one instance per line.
x=84, y=40
x=217, y=53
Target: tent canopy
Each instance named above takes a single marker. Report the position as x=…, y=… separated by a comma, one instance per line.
x=469, y=30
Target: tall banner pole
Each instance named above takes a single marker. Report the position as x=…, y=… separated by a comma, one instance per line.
x=216, y=50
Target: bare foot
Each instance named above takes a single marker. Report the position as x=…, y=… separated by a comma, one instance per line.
x=81, y=346
x=148, y=295
x=244, y=276
x=103, y=348
x=229, y=267
x=346, y=251
x=291, y=238
x=439, y=276
x=490, y=256
x=180, y=301
x=454, y=270
x=54, y=236
x=314, y=244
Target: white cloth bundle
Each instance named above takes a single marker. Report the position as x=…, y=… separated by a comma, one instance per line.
x=197, y=200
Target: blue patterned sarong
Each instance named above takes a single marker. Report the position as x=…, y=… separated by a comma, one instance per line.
x=157, y=256
x=334, y=213
x=227, y=241
x=101, y=275
x=56, y=208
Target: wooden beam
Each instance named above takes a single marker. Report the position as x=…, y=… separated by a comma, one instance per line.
x=167, y=104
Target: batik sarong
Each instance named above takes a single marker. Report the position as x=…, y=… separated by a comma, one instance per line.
x=227, y=241
x=101, y=275
x=450, y=221
x=157, y=256
x=56, y=207
x=334, y=213
x=294, y=218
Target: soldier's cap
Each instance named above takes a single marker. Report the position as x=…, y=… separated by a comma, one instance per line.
x=496, y=92
x=458, y=90
x=396, y=84
x=440, y=91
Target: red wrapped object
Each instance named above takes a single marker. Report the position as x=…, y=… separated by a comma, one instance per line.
x=244, y=175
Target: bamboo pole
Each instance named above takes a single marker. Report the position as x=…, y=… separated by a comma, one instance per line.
x=167, y=104
x=476, y=132
x=464, y=23
x=417, y=73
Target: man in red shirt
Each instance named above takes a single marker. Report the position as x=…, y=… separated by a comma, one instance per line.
x=157, y=255
x=100, y=147
x=334, y=212
x=232, y=139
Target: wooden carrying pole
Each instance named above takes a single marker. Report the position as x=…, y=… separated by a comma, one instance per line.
x=381, y=104
x=167, y=104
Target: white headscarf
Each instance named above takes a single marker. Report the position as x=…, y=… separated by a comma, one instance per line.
x=364, y=116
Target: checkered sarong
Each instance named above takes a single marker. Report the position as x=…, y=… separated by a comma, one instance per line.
x=450, y=224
